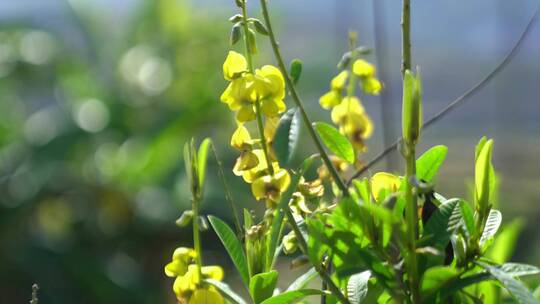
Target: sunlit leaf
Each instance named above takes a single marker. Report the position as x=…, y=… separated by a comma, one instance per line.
x=335, y=141
x=357, y=287
x=262, y=285
x=286, y=137
x=233, y=247
x=226, y=291
x=429, y=163
x=514, y=287
x=492, y=225
x=292, y=296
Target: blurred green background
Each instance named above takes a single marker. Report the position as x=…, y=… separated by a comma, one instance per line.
x=97, y=99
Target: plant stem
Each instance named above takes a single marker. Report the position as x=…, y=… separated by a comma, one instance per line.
x=332, y=287
x=294, y=94
x=260, y=125
x=228, y=194
x=406, y=36
x=411, y=214
x=196, y=233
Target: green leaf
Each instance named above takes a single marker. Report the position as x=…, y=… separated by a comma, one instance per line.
x=286, y=138
x=336, y=142
x=483, y=176
x=468, y=217
x=303, y=280
x=514, y=287
x=492, y=225
x=444, y=221
x=295, y=70
x=262, y=285
x=202, y=158
x=518, y=270
x=505, y=242
x=479, y=147
x=232, y=245
x=248, y=220
x=436, y=277
x=357, y=287
x=292, y=296
x=429, y=163
x=226, y=291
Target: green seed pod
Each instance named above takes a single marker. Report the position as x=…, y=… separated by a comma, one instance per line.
x=236, y=18
x=412, y=108
x=252, y=41
x=295, y=70
x=236, y=33
x=259, y=27
x=203, y=223
x=185, y=218
x=344, y=61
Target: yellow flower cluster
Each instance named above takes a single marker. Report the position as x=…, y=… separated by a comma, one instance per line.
x=247, y=92
x=347, y=111
x=188, y=285
x=266, y=86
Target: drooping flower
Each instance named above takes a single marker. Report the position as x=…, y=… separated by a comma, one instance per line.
x=362, y=68
x=353, y=121
x=271, y=186
x=384, y=181
x=182, y=257
x=366, y=72
x=186, y=285
x=234, y=65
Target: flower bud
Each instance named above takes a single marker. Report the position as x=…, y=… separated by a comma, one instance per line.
x=203, y=223
x=236, y=18
x=185, y=218
x=252, y=41
x=484, y=177
x=259, y=27
x=236, y=33
x=412, y=108
x=295, y=70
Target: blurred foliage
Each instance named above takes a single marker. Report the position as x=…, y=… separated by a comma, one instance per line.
x=90, y=141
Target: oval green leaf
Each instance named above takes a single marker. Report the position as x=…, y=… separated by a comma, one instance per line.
x=335, y=141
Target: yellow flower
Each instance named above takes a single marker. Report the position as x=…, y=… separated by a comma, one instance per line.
x=271, y=186
x=371, y=85
x=239, y=97
x=363, y=68
x=246, y=161
x=299, y=205
x=207, y=295
x=182, y=257
x=357, y=128
x=241, y=140
x=260, y=169
x=339, y=82
x=330, y=99
x=234, y=64
x=311, y=189
x=383, y=181
x=349, y=106
x=191, y=281
x=270, y=90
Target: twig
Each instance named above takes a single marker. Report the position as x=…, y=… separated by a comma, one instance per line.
x=461, y=99
x=296, y=98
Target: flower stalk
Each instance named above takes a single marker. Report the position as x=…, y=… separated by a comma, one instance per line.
x=298, y=102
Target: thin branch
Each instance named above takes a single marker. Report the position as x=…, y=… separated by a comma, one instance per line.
x=461, y=99
x=296, y=98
